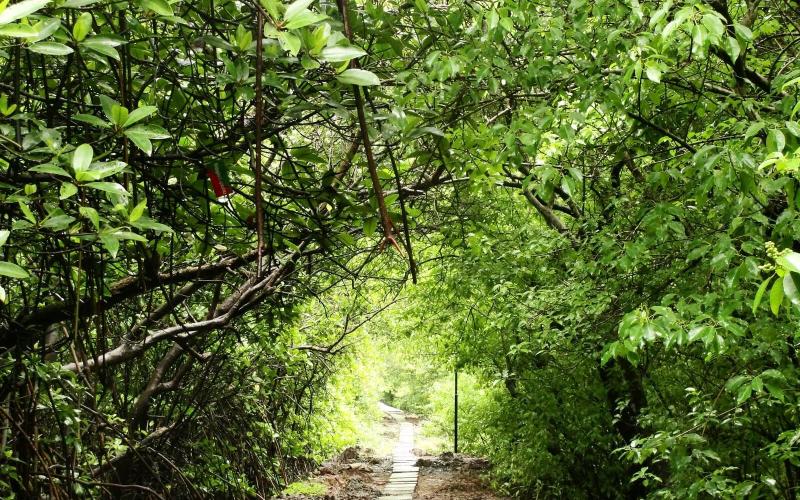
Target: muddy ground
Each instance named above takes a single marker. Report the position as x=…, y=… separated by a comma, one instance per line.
x=357, y=474
x=453, y=477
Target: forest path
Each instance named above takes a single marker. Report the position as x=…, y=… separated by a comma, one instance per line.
x=399, y=473
x=405, y=472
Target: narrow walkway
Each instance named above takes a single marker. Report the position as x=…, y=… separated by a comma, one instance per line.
x=403, y=480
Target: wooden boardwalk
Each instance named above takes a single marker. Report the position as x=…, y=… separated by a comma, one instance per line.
x=403, y=480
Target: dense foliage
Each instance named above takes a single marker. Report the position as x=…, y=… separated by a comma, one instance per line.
x=637, y=337
x=154, y=336
x=203, y=202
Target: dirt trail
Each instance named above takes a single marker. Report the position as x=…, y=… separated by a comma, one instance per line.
x=453, y=477
x=357, y=474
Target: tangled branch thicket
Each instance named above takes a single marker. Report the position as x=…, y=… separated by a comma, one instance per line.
x=147, y=352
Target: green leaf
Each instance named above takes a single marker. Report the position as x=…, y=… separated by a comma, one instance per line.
x=609, y=352
x=359, y=77
x=318, y=38
x=744, y=393
x=137, y=211
x=145, y=222
x=103, y=45
x=304, y=18
x=108, y=187
x=82, y=27
x=698, y=252
x=127, y=235
x=50, y=48
x=272, y=7
x=110, y=243
x=67, y=189
x=160, y=7
x=713, y=24
x=432, y=131
x=790, y=83
x=295, y=8
x=103, y=40
x=733, y=48
x=743, y=32
x=82, y=157
x=753, y=129
x=18, y=30
x=100, y=170
x=702, y=332
x=790, y=261
x=775, y=141
x=139, y=114
x=4, y=234
x=142, y=142
x=653, y=71
x=20, y=10
x=119, y=115
x=151, y=131
x=671, y=27
x=309, y=63
x=370, y=225
x=289, y=42
x=49, y=168
x=91, y=214
x=141, y=136
x=734, y=383
x=776, y=297
x=774, y=389
x=760, y=293
x=492, y=19
x=346, y=238
x=660, y=14
x=12, y=270
x=243, y=38
x=26, y=212
x=77, y=4
x=108, y=106
x=91, y=120
x=698, y=37
x=5, y=109
x=757, y=384
x=58, y=222
x=341, y=54
x=45, y=28
x=790, y=289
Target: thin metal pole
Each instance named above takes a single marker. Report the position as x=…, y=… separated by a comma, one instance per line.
x=455, y=412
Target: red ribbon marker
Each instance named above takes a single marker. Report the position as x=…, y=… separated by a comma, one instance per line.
x=221, y=190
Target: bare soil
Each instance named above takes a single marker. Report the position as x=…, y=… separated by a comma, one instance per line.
x=453, y=477
x=353, y=475
x=357, y=474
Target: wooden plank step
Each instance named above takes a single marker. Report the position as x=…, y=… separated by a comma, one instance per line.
x=400, y=491
x=405, y=473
